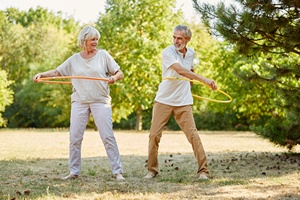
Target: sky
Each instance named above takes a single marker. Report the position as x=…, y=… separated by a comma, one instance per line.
x=84, y=11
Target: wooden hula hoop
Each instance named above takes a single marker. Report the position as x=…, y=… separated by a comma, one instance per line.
x=53, y=79
x=199, y=97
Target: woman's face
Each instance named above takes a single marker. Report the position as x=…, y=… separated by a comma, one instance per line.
x=92, y=43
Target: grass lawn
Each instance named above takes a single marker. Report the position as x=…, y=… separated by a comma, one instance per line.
x=242, y=166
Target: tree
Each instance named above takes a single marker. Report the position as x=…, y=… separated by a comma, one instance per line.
x=6, y=95
x=215, y=60
x=12, y=42
x=135, y=33
x=37, y=41
x=23, y=33
x=267, y=32
x=42, y=16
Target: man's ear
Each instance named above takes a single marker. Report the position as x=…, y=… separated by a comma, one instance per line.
x=188, y=38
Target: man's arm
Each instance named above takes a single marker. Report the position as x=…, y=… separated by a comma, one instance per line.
x=191, y=75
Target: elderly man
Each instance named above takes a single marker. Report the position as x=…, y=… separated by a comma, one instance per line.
x=175, y=97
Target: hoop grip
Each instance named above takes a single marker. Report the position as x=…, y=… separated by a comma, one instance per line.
x=199, y=97
x=53, y=79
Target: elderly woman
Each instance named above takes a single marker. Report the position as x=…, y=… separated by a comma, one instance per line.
x=90, y=96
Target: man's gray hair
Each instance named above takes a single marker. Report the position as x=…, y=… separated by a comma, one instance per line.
x=185, y=29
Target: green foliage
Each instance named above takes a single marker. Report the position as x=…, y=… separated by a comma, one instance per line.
x=267, y=32
x=264, y=86
x=31, y=37
x=41, y=16
x=36, y=44
x=136, y=38
x=215, y=61
x=279, y=133
x=6, y=95
x=12, y=50
x=227, y=67
x=255, y=24
x=40, y=105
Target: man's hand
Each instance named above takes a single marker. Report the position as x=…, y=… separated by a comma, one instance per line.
x=213, y=85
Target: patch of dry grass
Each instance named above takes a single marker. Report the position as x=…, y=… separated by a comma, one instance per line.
x=242, y=166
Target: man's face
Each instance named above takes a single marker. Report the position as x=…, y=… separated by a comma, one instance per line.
x=179, y=40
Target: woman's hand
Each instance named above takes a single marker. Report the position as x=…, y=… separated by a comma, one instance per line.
x=112, y=80
x=116, y=77
x=36, y=77
x=50, y=73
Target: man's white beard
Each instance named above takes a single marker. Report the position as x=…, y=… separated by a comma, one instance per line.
x=180, y=47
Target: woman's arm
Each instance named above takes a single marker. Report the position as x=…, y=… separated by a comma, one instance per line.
x=50, y=73
x=116, y=77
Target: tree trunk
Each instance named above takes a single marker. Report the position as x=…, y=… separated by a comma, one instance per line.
x=139, y=116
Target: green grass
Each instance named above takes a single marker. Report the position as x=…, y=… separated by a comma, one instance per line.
x=242, y=166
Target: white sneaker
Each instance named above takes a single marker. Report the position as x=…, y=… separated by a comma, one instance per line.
x=119, y=177
x=203, y=177
x=70, y=177
x=150, y=175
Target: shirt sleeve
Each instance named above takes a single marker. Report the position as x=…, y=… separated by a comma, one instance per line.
x=112, y=65
x=65, y=68
x=168, y=58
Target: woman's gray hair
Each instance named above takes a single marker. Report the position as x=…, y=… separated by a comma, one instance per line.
x=185, y=29
x=86, y=33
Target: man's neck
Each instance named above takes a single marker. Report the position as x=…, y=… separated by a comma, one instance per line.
x=183, y=51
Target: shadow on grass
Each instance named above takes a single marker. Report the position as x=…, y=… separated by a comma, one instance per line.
x=41, y=178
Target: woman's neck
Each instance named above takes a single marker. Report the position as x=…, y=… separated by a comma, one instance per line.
x=88, y=54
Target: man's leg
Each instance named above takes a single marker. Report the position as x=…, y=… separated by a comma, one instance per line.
x=184, y=118
x=160, y=116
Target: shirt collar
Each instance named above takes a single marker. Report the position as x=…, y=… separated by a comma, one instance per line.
x=181, y=54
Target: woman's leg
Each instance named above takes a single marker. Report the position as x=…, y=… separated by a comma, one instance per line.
x=103, y=119
x=80, y=114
